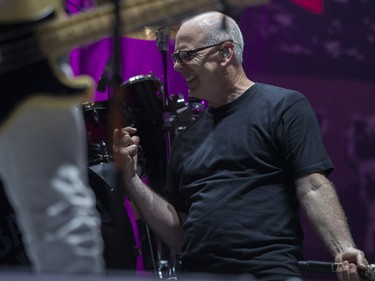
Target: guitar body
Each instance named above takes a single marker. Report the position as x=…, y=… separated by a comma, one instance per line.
x=27, y=76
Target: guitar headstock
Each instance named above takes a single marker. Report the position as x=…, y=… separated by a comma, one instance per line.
x=16, y=11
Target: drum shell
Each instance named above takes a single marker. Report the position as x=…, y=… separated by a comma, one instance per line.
x=145, y=107
x=143, y=94
x=120, y=251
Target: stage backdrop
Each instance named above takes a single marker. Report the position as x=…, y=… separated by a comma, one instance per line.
x=324, y=49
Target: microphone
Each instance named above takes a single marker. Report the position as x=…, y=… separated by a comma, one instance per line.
x=331, y=267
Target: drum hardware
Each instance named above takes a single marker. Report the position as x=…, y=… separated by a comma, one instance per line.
x=167, y=262
x=152, y=255
x=181, y=115
x=144, y=110
x=197, y=106
x=176, y=115
x=148, y=111
x=95, y=115
x=158, y=119
x=163, y=267
x=103, y=155
x=167, y=259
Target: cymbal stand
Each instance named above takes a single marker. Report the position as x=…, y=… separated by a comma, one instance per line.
x=166, y=259
x=162, y=42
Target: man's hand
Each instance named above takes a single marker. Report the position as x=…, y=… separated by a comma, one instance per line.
x=125, y=151
x=348, y=264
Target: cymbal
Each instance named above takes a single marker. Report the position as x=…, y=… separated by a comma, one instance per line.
x=151, y=33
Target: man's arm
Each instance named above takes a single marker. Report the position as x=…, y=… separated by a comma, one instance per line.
x=157, y=213
x=154, y=210
x=319, y=200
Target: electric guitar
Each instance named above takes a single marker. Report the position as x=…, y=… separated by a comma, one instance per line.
x=34, y=34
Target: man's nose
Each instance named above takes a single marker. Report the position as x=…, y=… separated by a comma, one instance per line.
x=178, y=65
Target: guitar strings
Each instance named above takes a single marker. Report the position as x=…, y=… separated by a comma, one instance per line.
x=18, y=47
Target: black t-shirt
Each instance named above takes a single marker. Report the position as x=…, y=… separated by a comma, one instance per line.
x=232, y=171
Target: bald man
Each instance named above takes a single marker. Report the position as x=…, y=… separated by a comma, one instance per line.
x=240, y=173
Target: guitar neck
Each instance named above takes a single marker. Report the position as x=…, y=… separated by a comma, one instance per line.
x=62, y=34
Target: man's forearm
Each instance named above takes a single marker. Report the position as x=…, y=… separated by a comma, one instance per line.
x=320, y=202
x=157, y=213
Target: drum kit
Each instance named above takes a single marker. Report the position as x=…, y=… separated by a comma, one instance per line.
x=129, y=244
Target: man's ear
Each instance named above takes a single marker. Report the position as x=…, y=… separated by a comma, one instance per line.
x=224, y=52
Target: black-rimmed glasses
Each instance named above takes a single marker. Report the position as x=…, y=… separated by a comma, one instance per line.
x=185, y=56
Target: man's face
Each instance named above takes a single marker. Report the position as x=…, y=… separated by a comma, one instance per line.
x=201, y=70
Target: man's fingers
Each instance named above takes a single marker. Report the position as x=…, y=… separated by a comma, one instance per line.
x=129, y=130
x=132, y=150
x=116, y=137
x=124, y=137
x=135, y=140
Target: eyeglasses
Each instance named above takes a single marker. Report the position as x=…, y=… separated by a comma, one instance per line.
x=185, y=56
